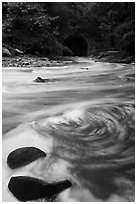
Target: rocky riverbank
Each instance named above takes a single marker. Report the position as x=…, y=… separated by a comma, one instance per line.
x=26, y=61
x=112, y=56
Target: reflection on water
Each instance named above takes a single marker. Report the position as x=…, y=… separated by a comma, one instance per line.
x=83, y=118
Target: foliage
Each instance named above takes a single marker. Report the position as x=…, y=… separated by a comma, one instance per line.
x=28, y=26
x=40, y=27
x=117, y=25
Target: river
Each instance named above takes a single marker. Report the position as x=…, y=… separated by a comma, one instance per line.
x=83, y=118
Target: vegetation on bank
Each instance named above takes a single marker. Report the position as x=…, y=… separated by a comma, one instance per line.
x=40, y=28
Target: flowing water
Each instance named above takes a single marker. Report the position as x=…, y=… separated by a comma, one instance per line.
x=83, y=118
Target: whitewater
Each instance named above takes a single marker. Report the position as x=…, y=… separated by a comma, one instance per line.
x=82, y=118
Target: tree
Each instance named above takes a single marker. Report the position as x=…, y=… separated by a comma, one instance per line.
x=40, y=27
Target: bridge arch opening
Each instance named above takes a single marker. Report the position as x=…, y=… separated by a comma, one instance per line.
x=78, y=46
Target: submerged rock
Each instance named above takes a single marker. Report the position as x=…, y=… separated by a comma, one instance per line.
x=23, y=156
x=29, y=189
x=40, y=80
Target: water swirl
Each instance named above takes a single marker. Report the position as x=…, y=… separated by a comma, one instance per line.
x=83, y=119
x=101, y=134
x=99, y=142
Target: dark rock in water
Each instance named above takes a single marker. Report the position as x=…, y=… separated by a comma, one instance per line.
x=26, y=63
x=84, y=68
x=40, y=80
x=29, y=189
x=130, y=77
x=23, y=156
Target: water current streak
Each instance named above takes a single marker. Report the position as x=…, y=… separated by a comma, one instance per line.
x=83, y=119
x=99, y=142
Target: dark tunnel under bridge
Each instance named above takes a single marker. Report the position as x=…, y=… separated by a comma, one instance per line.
x=78, y=46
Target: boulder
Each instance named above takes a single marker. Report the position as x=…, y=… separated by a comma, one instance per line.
x=31, y=189
x=23, y=156
x=130, y=77
x=40, y=80
x=6, y=52
x=109, y=53
x=26, y=63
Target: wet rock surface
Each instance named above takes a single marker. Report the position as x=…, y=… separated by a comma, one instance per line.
x=25, y=61
x=23, y=156
x=29, y=189
x=40, y=80
x=130, y=77
x=28, y=61
x=112, y=56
